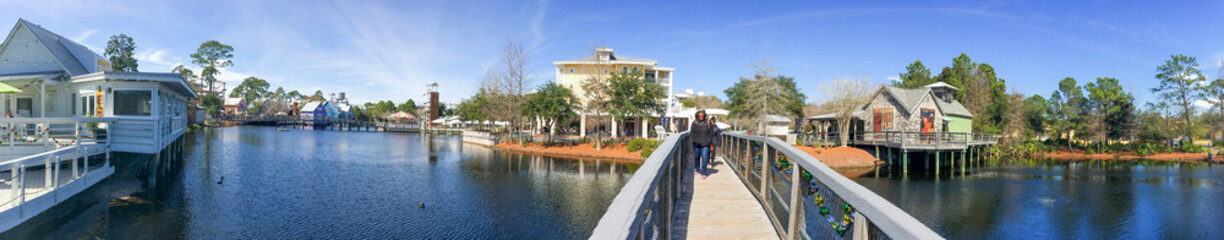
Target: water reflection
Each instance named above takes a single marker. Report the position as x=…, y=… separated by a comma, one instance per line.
x=347, y=185
x=1079, y=200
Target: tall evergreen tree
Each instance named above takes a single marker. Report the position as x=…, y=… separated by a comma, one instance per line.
x=1180, y=79
x=1066, y=104
x=119, y=51
x=212, y=56
x=1111, y=107
x=915, y=75
x=1036, y=115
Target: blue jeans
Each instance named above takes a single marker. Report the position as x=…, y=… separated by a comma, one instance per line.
x=701, y=156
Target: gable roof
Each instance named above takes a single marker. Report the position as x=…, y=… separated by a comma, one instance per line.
x=953, y=108
x=65, y=51
x=910, y=98
x=234, y=101
x=314, y=106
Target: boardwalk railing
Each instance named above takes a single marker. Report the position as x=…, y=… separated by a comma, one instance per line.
x=824, y=205
x=805, y=199
x=645, y=205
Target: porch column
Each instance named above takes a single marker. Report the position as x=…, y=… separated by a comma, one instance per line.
x=582, y=125
x=42, y=98
x=614, y=132
x=670, y=84
x=645, y=127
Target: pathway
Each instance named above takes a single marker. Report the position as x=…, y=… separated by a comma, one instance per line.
x=721, y=207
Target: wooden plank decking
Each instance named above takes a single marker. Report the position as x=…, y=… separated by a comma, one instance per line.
x=721, y=207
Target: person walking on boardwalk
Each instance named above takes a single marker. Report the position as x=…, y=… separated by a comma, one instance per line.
x=701, y=133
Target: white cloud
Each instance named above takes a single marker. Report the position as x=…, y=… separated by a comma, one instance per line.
x=155, y=56
x=85, y=35
x=893, y=78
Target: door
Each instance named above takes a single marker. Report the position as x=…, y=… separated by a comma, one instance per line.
x=876, y=119
x=928, y=120
x=928, y=123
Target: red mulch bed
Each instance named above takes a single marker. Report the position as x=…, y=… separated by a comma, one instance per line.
x=841, y=157
x=615, y=151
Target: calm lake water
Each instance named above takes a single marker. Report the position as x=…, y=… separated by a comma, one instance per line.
x=346, y=185
x=1041, y=200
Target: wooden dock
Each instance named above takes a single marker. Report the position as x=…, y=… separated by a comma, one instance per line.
x=721, y=207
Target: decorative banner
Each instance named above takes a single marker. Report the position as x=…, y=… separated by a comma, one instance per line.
x=98, y=103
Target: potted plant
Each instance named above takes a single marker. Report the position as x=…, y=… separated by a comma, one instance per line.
x=93, y=131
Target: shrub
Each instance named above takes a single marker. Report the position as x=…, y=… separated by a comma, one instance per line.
x=1189, y=147
x=648, y=147
x=1144, y=149
x=1116, y=147
x=636, y=144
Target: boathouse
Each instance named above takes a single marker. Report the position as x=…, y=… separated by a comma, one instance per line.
x=67, y=111
x=927, y=109
x=931, y=108
x=318, y=111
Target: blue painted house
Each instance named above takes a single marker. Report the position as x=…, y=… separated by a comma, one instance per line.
x=317, y=111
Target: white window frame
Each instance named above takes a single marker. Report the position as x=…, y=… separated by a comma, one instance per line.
x=110, y=101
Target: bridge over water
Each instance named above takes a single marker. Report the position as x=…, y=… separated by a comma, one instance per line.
x=761, y=188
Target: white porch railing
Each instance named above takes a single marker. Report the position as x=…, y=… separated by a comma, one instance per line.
x=32, y=184
x=54, y=132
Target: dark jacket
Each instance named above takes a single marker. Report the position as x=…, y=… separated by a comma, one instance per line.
x=703, y=133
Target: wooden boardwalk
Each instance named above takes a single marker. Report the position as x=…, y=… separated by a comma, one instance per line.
x=720, y=207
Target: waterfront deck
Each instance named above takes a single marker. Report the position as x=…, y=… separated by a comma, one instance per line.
x=721, y=207
x=910, y=141
x=35, y=183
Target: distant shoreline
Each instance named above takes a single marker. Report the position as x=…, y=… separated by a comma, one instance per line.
x=1064, y=156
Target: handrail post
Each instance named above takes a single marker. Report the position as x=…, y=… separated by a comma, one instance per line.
x=764, y=169
x=794, y=201
x=56, y=167
x=85, y=170
x=75, y=153
x=47, y=165
x=23, y=188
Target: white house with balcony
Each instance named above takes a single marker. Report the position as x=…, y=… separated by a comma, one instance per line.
x=69, y=111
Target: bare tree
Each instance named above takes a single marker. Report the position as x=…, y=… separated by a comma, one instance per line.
x=844, y=96
x=507, y=82
x=704, y=102
x=977, y=92
x=765, y=95
x=596, y=92
x=1012, y=131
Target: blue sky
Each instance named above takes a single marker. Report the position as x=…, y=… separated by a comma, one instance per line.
x=389, y=50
